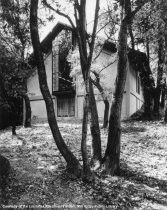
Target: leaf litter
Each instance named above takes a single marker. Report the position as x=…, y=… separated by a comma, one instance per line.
x=39, y=177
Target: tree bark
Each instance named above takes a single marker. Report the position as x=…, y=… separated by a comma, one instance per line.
x=106, y=113
x=105, y=100
x=112, y=153
x=162, y=103
x=157, y=92
x=72, y=163
x=148, y=49
x=95, y=130
x=164, y=15
x=165, y=118
x=87, y=174
x=147, y=104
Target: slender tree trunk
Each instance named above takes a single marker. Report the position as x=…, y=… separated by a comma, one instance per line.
x=157, y=93
x=27, y=122
x=106, y=113
x=165, y=118
x=72, y=163
x=131, y=35
x=95, y=129
x=96, y=82
x=87, y=174
x=164, y=15
x=112, y=153
x=148, y=49
x=147, y=104
x=159, y=78
x=162, y=103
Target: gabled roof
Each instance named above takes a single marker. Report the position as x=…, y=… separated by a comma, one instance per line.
x=46, y=44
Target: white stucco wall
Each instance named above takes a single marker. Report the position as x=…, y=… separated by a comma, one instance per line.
x=108, y=81
x=38, y=107
x=131, y=101
x=33, y=82
x=136, y=99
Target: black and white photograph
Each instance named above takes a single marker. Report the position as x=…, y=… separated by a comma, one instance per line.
x=83, y=104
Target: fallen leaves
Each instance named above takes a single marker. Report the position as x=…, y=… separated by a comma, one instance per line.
x=40, y=177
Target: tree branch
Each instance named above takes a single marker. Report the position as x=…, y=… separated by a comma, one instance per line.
x=79, y=38
x=45, y=3
x=94, y=32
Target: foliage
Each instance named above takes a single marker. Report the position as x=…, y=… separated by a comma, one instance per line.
x=97, y=68
x=15, y=41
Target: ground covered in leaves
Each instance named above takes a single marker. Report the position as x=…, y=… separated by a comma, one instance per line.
x=39, y=179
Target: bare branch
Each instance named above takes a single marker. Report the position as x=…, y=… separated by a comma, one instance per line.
x=94, y=32
x=58, y=12
x=107, y=66
x=101, y=49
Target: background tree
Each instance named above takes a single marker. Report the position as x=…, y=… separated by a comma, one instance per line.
x=16, y=37
x=149, y=30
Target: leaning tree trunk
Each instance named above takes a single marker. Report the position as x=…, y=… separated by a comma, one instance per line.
x=95, y=129
x=112, y=153
x=27, y=122
x=96, y=82
x=72, y=163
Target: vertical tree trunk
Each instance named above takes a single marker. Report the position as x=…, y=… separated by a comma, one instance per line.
x=27, y=122
x=106, y=113
x=112, y=153
x=162, y=103
x=86, y=60
x=164, y=15
x=159, y=79
x=165, y=118
x=147, y=103
x=148, y=49
x=87, y=174
x=72, y=163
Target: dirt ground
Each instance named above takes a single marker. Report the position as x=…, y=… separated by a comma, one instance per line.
x=39, y=179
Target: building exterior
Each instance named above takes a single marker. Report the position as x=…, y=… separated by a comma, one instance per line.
x=67, y=92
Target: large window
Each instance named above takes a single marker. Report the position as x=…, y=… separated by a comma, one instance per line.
x=65, y=107
x=62, y=81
